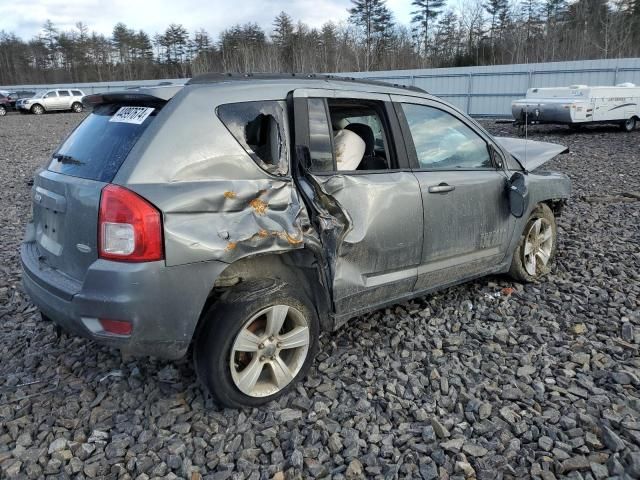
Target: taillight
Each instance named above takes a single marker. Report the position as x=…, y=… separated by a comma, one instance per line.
x=129, y=227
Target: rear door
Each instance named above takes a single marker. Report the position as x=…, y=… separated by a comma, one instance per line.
x=369, y=217
x=64, y=100
x=467, y=221
x=66, y=196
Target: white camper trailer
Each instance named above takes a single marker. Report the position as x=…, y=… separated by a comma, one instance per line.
x=579, y=105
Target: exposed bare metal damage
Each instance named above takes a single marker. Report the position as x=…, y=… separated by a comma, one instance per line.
x=234, y=221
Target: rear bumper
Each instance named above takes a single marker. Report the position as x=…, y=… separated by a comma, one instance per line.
x=162, y=303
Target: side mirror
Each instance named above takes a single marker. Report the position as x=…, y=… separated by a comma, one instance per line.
x=518, y=194
x=303, y=157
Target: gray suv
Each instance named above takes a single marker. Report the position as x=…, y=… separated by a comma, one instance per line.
x=50, y=100
x=245, y=215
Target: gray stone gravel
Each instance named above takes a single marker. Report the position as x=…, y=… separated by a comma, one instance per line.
x=490, y=379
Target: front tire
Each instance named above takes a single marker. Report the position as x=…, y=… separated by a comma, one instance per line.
x=536, y=249
x=37, y=109
x=256, y=343
x=3, y=111
x=76, y=107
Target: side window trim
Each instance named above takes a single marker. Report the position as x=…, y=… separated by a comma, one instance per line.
x=411, y=148
x=327, y=124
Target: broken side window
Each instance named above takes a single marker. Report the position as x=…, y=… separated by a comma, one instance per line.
x=260, y=127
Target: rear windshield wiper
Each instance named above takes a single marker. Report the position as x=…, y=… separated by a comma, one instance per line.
x=67, y=159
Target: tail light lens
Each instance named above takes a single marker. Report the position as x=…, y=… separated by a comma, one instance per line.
x=129, y=227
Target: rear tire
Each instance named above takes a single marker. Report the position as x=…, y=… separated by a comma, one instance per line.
x=256, y=343
x=3, y=111
x=536, y=248
x=37, y=109
x=76, y=107
x=628, y=125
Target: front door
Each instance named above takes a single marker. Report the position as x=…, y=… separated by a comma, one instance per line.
x=467, y=221
x=367, y=203
x=51, y=100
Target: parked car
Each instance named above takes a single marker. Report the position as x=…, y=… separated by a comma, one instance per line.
x=230, y=214
x=51, y=100
x=5, y=103
x=14, y=96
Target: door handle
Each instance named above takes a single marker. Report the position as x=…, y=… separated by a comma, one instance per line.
x=442, y=188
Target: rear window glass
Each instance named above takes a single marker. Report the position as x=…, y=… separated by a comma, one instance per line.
x=63, y=93
x=98, y=146
x=76, y=93
x=261, y=128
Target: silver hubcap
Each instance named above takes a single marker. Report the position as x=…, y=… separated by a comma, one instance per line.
x=537, y=246
x=2, y=111
x=269, y=351
x=630, y=124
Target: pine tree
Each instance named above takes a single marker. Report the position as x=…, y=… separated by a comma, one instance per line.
x=426, y=12
x=367, y=14
x=282, y=36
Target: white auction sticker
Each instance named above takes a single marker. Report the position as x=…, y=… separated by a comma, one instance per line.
x=135, y=115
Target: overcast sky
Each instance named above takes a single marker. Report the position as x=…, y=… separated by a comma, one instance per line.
x=25, y=17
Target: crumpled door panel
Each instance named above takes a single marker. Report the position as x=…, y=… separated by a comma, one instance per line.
x=371, y=228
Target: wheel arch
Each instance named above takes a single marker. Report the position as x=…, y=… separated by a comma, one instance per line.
x=555, y=204
x=299, y=268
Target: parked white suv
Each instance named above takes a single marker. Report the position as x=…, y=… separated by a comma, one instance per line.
x=50, y=100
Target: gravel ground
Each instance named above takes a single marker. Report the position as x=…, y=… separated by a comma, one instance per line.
x=490, y=379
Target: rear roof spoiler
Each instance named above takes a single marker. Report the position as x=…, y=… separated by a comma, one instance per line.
x=154, y=95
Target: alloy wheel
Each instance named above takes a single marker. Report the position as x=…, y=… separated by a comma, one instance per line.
x=269, y=350
x=537, y=246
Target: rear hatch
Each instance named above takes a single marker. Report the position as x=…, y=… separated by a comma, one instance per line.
x=66, y=196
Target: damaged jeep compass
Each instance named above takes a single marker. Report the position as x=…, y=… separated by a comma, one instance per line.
x=244, y=215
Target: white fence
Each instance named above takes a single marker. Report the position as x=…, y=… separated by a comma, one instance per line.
x=488, y=91
x=479, y=91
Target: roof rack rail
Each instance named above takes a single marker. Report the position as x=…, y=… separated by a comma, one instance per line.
x=225, y=77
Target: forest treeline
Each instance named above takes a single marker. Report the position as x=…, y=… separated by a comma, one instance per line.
x=477, y=32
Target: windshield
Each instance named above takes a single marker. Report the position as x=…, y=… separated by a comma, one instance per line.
x=99, y=145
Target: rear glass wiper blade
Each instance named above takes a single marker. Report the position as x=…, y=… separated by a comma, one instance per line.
x=67, y=159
